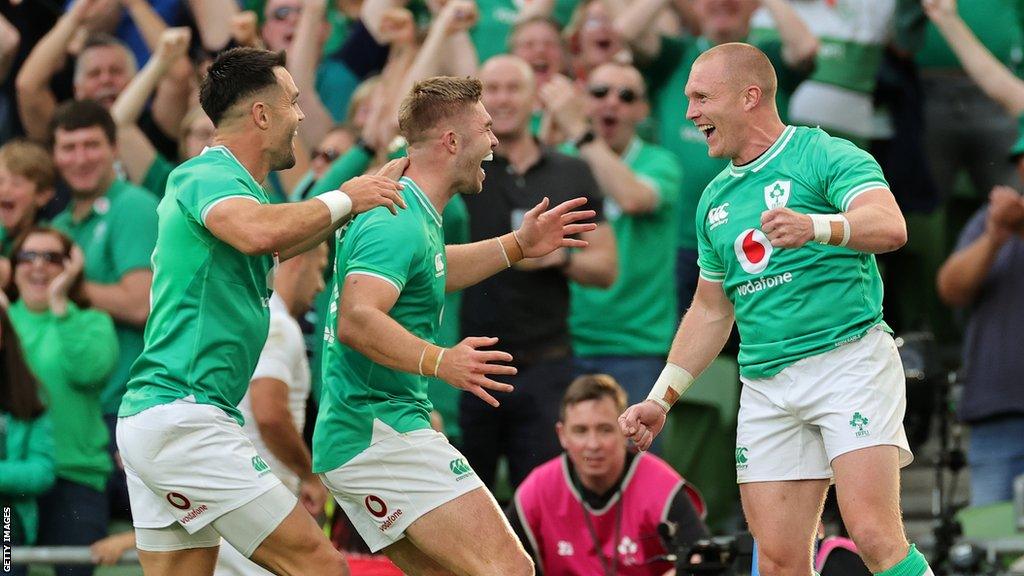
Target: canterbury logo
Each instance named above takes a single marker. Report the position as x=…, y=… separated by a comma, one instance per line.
x=459, y=467
x=259, y=465
x=718, y=216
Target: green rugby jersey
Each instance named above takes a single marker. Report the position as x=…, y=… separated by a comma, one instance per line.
x=637, y=315
x=210, y=315
x=790, y=303
x=408, y=252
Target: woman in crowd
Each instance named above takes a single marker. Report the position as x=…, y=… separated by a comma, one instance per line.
x=26, y=441
x=71, y=349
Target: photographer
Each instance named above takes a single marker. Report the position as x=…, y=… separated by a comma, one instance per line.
x=596, y=508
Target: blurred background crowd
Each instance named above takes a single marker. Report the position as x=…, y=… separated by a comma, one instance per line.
x=99, y=102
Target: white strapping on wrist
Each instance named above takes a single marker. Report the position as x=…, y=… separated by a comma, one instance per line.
x=671, y=384
x=508, y=263
x=831, y=229
x=337, y=202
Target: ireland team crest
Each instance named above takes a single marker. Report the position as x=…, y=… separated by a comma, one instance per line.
x=776, y=194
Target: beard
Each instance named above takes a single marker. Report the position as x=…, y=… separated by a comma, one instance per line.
x=285, y=157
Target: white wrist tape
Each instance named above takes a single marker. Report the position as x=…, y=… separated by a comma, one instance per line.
x=825, y=232
x=672, y=383
x=337, y=202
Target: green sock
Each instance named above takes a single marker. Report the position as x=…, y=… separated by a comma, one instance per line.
x=913, y=564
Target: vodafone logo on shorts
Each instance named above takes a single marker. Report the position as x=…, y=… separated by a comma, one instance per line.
x=376, y=506
x=753, y=250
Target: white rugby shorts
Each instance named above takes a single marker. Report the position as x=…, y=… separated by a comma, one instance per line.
x=792, y=425
x=396, y=480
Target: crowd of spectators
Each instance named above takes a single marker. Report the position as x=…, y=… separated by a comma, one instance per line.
x=100, y=103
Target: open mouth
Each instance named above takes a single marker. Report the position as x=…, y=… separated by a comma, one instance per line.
x=488, y=158
x=540, y=67
x=609, y=122
x=707, y=129
x=604, y=43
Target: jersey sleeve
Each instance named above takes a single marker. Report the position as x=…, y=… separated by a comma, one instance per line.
x=133, y=232
x=848, y=173
x=199, y=191
x=710, y=264
x=664, y=175
x=383, y=246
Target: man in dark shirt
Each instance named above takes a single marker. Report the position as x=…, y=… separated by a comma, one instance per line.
x=526, y=307
x=985, y=275
x=596, y=509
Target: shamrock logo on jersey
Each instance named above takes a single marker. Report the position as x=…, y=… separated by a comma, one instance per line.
x=776, y=194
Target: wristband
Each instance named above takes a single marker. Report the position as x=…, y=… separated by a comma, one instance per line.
x=337, y=202
x=831, y=229
x=672, y=383
x=508, y=263
x=431, y=356
x=512, y=248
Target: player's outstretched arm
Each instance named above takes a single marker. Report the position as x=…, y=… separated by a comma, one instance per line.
x=543, y=231
x=365, y=326
x=873, y=224
x=701, y=336
x=293, y=228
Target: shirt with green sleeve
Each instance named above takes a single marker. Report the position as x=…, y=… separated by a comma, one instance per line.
x=117, y=236
x=636, y=316
x=26, y=467
x=210, y=302
x=72, y=356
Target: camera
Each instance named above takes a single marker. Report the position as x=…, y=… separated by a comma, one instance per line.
x=726, y=555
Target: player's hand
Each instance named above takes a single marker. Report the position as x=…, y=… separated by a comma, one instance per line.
x=786, y=228
x=642, y=423
x=313, y=495
x=543, y=230
x=560, y=98
x=939, y=9
x=369, y=192
x=394, y=169
x=466, y=367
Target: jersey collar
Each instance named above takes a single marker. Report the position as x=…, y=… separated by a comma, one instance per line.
x=418, y=193
x=224, y=150
x=632, y=150
x=761, y=161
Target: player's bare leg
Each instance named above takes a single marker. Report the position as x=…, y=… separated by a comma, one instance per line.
x=414, y=561
x=868, y=490
x=470, y=537
x=298, y=547
x=783, y=517
x=192, y=561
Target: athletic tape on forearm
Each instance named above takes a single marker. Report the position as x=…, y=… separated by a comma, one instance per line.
x=672, y=383
x=832, y=229
x=337, y=202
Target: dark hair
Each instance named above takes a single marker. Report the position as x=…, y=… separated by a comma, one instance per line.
x=77, y=291
x=102, y=40
x=19, y=389
x=593, y=387
x=79, y=114
x=236, y=74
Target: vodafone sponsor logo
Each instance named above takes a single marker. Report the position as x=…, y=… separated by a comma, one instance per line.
x=194, y=513
x=753, y=250
x=754, y=286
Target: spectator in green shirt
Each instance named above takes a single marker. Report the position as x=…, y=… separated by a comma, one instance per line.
x=115, y=224
x=26, y=442
x=625, y=330
x=71, y=349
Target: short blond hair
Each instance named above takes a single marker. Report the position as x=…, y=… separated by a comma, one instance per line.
x=747, y=65
x=434, y=100
x=31, y=161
